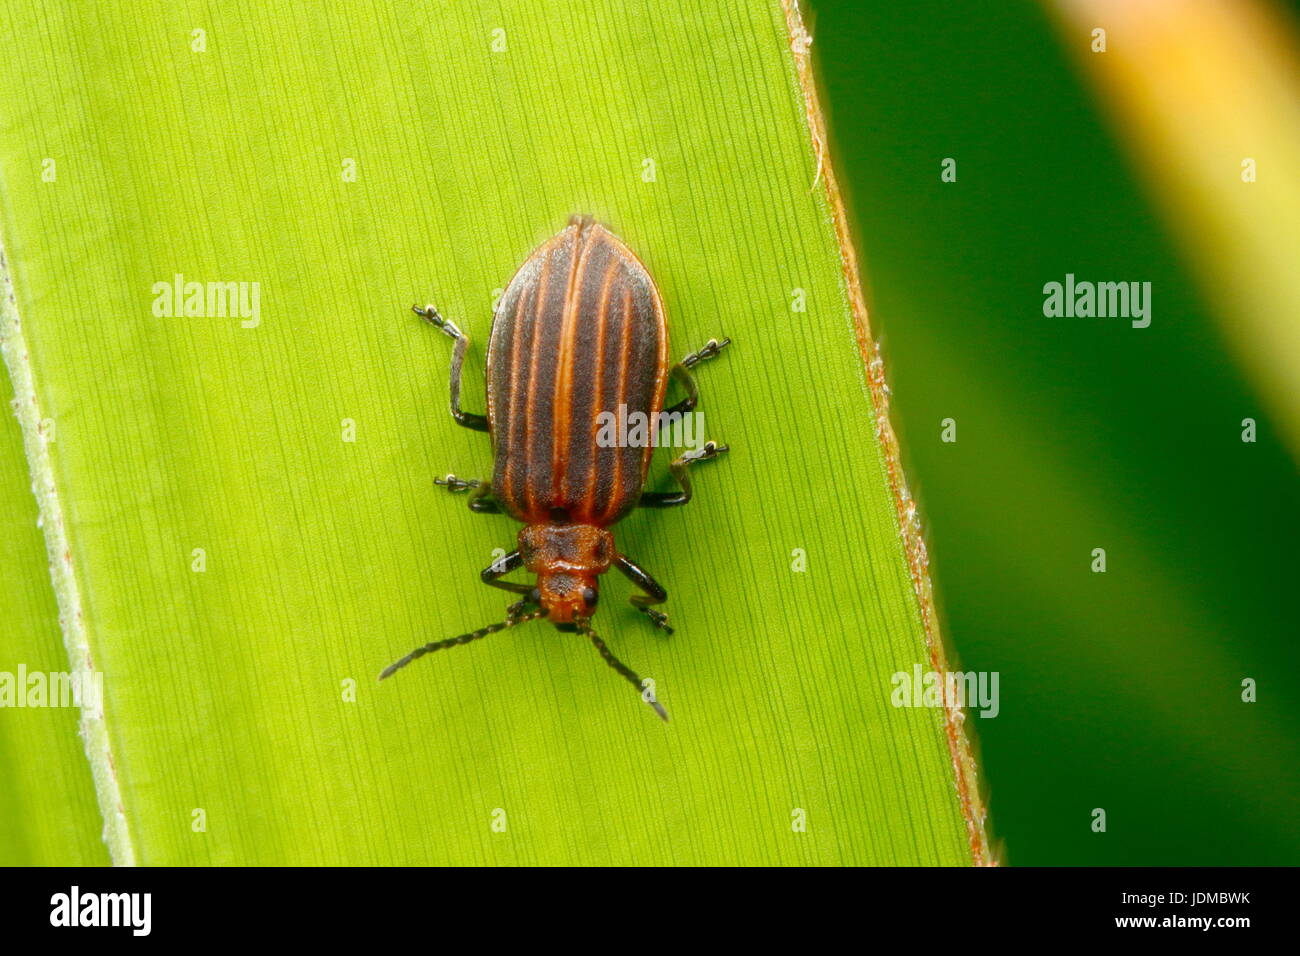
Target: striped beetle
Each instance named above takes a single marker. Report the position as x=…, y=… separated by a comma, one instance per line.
x=580, y=331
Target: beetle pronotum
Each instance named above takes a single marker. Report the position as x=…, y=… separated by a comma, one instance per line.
x=579, y=331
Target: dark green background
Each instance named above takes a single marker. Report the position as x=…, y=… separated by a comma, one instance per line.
x=1119, y=690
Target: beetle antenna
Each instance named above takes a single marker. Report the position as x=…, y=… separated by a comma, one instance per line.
x=419, y=652
x=626, y=671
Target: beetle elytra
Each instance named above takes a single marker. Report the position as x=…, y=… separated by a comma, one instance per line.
x=579, y=334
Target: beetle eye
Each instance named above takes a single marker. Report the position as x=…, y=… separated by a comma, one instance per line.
x=589, y=596
x=535, y=595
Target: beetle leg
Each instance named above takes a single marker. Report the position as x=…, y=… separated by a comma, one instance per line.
x=478, y=423
x=480, y=499
x=454, y=484
x=682, y=372
x=710, y=350
x=654, y=592
x=666, y=499
x=492, y=574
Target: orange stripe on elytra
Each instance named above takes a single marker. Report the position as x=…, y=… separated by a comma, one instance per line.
x=561, y=416
x=513, y=423
x=598, y=386
x=530, y=487
x=616, y=488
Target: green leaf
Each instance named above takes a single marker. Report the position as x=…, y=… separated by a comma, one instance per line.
x=243, y=572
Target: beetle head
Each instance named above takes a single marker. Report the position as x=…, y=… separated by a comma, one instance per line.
x=567, y=598
x=568, y=560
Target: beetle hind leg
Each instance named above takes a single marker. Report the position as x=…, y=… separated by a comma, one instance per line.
x=478, y=423
x=652, y=592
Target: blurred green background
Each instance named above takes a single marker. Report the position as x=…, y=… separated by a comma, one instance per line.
x=1119, y=690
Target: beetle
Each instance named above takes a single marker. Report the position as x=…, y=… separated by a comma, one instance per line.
x=579, y=335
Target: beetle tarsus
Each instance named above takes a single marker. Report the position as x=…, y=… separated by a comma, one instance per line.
x=658, y=618
x=710, y=451
x=710, y=350
x=454, y=484
x=434, y=318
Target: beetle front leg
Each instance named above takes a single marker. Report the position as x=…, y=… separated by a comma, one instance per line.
x=682, y=372
x=480, y=499
x=494, y=572
x=666, y=499
x=654, y=592
x=478, y=423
